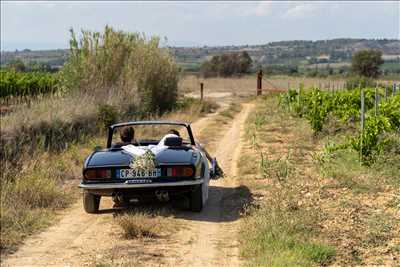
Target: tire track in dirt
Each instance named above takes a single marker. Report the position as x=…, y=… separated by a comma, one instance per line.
x=207, y=238
x=212, y=234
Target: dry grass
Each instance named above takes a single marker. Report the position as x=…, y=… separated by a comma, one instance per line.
x=56, y=122
x=140, y=224
x=283, y=229
x=238, y=86
x=30, y=196
x=63, y=107
x=246, y=85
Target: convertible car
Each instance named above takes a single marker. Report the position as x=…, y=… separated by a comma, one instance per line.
x=182, y=167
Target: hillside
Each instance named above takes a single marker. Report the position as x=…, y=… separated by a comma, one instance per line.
x=290, y=51
x=299, y=52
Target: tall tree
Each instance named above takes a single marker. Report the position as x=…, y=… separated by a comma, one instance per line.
x=227, y=64
x=245, y=62
x=366, y=63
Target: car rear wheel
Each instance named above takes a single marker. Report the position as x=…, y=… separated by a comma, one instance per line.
x=91, y=202
x=196, y=199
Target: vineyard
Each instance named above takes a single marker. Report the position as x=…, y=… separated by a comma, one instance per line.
x=26, y=84
x=369, y=117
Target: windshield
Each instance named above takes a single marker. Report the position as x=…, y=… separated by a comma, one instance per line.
x=147, y=134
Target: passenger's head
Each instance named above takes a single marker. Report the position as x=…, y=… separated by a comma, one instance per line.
x=127, y=134
x=173, y=131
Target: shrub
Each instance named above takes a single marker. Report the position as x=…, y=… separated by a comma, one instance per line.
x=52, y=136
x=227, y=65
x=142, y=224
x=106, y=115
x=27, y=201
x=129, y=62
x=367, y=62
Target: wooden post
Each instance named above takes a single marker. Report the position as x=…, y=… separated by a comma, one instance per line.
x=362, y=124
x=386, y=91
x=201, y=91
x=376, y=100
x=298, y=94
x=259, y=82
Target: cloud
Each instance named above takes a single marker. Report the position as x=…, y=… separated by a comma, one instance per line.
x=203, y=23
x=263, y=9
x=304, y=10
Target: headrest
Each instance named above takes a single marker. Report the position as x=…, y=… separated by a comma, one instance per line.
x=173, y=141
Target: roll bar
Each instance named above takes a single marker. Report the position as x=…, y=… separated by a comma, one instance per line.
x=131, y=123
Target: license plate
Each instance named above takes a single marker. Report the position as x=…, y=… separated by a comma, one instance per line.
x=131, y=173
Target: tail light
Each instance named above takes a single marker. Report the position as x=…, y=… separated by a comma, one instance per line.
x=180, y=171
x=97, y=174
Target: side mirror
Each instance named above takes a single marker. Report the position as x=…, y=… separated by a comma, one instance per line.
x=215, y=172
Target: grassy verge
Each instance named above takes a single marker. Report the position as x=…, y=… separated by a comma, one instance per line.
x=31, y=195
x=310, y=212
x=282, y=228
x=35, y=187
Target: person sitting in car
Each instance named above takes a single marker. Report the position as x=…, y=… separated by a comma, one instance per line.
x=171, y=133
x=127, y=135
x=175, y=132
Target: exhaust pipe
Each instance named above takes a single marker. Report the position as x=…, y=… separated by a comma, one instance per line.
x=162, y=195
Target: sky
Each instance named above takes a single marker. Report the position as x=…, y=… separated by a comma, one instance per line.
x=46, y=24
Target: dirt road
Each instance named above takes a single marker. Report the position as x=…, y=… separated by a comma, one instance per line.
x=206, y=239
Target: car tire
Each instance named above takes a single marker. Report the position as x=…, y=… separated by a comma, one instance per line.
x=196, y=199
x=91, y=202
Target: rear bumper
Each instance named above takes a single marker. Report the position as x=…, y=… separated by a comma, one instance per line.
x=100, y=186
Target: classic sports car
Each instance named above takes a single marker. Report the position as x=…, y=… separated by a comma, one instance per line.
x=182, y=167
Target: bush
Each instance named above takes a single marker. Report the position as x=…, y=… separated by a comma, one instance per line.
x=281, y=69
x=366, y=63
x=26, y=205
x=129, y=62
x=51, y=136
x=227, y=65
x=106, y=115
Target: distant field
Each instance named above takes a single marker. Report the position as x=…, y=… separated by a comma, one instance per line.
x=246, y=85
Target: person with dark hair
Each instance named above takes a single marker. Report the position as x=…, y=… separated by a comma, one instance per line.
x=173, y=131
x=127, y=134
